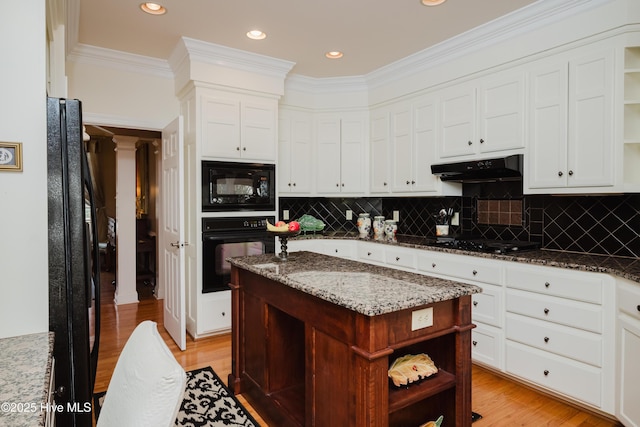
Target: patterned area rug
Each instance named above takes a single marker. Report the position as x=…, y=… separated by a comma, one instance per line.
x=207, y=402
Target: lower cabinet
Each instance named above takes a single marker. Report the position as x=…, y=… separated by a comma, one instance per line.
x=550, y=327
x=214, y=313
x=628, y=410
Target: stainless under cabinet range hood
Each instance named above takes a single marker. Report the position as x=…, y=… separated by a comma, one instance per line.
x=507, y=168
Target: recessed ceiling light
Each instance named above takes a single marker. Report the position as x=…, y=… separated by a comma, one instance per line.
x=256, y=35
x=153, y=8
x=334, y=54
x=432, y=2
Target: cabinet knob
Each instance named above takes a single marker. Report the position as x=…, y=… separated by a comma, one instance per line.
x=289, y=184
x=560, y=173
x=546, y=311
x=343, y=184
x=475, y=343
x=413, y=182
x=546, y=372
x=546, y=339
x=224, y=314
x=337, y=185
x=368, y=253
x=336, y=251
x=475, y=303
x=481, y=141
x=470, y=143
x=570, y=173
x=294, y=184
x=244, y=148
x=384, y=183
x=638, y=307
x=433, y=265
x=237, y=148
x=474, y=272
x=547, y=284
x=408, y=182
x=397, y=258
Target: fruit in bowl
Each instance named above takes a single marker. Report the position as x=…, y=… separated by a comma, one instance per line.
x=294, y=226
x=283, y=227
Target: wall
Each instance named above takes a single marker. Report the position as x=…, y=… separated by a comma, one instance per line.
x=24, y=306
x=599, y=225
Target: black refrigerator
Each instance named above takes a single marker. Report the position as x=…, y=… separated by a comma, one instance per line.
x=74, y=263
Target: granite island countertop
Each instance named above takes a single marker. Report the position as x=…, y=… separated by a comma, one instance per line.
x=25, y=373
x=627, y=268
x=367, y=289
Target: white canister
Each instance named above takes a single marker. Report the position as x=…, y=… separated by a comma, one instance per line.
x=364, y=224
x=378, y=225
x=390, y=228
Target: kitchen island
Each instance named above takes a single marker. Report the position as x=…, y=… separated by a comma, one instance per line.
x=313, y=339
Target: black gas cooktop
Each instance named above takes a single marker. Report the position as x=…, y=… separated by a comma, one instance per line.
x=486, y=245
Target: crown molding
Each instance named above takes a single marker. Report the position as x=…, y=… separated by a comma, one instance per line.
x=121, y=121
x=116, y=59
x=314, y=85
x=214, y=54
x=522, y=21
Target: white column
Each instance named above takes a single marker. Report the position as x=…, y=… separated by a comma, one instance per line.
x=126, y=220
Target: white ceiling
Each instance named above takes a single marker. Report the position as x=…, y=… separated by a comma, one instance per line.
x=371, y=33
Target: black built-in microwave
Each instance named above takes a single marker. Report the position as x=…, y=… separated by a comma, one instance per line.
x=235, y=186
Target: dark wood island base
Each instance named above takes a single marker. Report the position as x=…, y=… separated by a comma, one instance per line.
x=305, y=361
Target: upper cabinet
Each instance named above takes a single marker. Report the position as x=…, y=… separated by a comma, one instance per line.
x=341, y=153
x=483, y=116
x=631, y=118
x=380, y=175
x=238, y=127
x=295, y=153
x=571, y=135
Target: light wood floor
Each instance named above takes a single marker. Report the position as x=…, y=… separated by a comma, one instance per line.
x=500, y=401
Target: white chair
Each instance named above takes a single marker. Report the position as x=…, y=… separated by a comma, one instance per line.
x=147, y=385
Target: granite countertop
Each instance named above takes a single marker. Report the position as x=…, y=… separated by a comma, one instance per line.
x=627, y=268
x=367, y=289
x=25, y=374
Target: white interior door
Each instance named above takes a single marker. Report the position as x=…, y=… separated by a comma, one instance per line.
x=172, y=251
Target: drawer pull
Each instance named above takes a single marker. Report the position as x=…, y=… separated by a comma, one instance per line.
x=474, y=272
x=546, y=339
x=475, y=303
x=547, y=284
x=368, y=253
x=546, y=372
x=397, y=258
x=336, y=251
x=638, y=307
x=223, y=314
x=475, y=343
x=546, y=311
x=433, y=265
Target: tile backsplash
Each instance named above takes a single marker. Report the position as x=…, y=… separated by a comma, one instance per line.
x=606, y=225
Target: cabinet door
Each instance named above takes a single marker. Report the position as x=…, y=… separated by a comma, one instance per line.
x=220, y=127
x=380, y=159
x=590, y=147
x=352, y=154
x=548, y=126
x=424, y=145
x=294, y=152
x=629, y=377
x=501, y=113
x=401, y=141
x=328, y=154
x=458, y=121
x=258, y=133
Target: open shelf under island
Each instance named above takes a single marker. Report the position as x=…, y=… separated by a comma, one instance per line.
x=313, y=339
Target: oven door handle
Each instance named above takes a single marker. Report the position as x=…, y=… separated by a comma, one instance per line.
x=235, y=235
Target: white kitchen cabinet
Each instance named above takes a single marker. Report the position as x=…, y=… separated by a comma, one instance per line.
x=295, y=154
x=628, y=375
x=215, y=309
x=380, y=176
x=238, y=127
x=571, y=138
x=371, y=252
x=342, y=153
x=559, y=332
x=631, y=119
x=483, y=116
x=413, y=141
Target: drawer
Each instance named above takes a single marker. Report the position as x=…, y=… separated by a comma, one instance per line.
x=214, y=314
x=460, y=267
x=547, y=281
x=582, y=382
x=557, y=310
x=396, y=257
x=629, y=299
x=370, y=252
x=487, y=306
x=339, y=248
x=485, y=345
x=564, y=341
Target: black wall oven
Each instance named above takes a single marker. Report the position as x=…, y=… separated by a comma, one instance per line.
x=234, y=186
x=229, y=237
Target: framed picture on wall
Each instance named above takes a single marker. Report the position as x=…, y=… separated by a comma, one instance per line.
x=11, y=156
